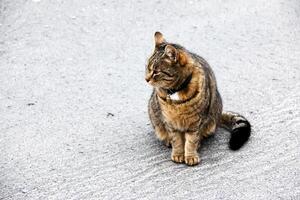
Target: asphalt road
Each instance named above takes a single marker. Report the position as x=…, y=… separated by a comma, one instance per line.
x=73, y=100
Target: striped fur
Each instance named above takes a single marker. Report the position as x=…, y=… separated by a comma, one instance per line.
x=196, y=112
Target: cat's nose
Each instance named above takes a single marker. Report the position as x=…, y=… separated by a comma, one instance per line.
x=148, y=79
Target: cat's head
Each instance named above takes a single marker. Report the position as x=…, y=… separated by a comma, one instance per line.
x=166, y=65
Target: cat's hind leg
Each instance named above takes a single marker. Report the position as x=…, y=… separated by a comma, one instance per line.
x=162, y=134
x=209, y=129
x=158, y=125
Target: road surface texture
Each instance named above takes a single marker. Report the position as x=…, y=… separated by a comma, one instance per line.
x=73, y=99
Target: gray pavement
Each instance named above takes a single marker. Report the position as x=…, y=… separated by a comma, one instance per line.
x=73, y=100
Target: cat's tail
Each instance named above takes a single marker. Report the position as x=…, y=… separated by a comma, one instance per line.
x=239, y=128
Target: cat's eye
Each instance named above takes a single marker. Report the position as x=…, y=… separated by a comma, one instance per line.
x=156, y=72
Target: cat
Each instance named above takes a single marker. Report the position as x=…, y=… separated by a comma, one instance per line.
x=185, y=105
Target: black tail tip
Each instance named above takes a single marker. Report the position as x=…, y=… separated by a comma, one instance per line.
x=239, y=136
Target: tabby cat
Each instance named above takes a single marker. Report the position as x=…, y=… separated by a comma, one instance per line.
x=185, y=105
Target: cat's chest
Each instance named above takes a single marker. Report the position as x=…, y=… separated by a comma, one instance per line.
x=180, y=117
x=174, y=97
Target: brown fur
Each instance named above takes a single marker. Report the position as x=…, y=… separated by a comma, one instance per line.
x=197, y=113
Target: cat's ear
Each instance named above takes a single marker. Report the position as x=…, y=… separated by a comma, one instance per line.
x=159, y=38
x=171, y=52
x=182, y=58
x=176, y=55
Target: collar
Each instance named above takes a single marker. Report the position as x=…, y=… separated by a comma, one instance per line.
x=181, y=87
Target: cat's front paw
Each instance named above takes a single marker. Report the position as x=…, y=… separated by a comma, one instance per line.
x=192, y=160
x=178, y=158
